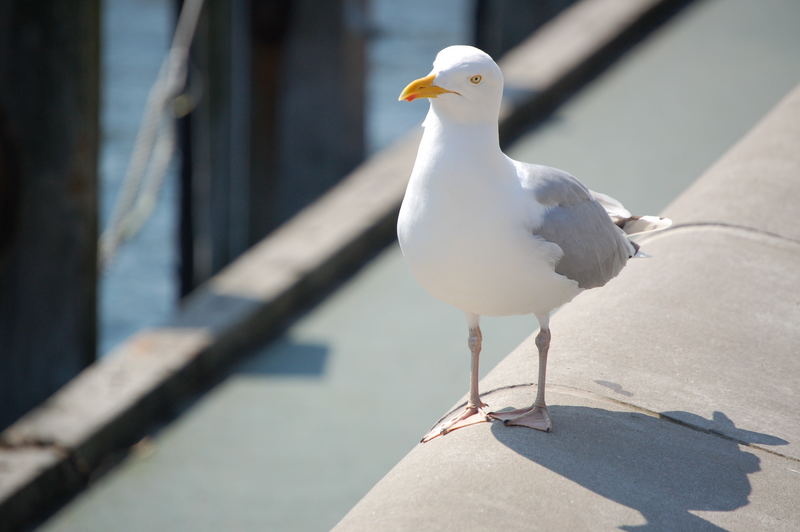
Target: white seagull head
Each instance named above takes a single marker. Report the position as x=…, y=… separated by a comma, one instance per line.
x=465, y=86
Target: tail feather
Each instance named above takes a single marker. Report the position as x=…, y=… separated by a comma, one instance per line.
x=636, y=225
x=632, y=225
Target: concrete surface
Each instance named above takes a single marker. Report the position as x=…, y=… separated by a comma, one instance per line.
x=689, y=421
x=605, y=467
x=299, y=432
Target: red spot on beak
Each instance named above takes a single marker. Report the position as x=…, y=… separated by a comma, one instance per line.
x=411, y=98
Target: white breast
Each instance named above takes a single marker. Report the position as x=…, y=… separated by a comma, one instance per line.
x=464, y=228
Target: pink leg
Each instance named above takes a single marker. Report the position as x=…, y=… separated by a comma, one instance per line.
x=475, y=411
x=535, y=416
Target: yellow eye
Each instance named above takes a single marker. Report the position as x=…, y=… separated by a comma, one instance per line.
x=475, y=79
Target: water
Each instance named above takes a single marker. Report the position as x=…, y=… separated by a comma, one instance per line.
x=139, y=288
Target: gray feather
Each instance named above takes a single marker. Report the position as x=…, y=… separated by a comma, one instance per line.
x=595, y=249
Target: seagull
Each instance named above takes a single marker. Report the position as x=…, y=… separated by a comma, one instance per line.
x=493, y=236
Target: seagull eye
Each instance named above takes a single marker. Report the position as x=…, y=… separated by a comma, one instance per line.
x=475, y=79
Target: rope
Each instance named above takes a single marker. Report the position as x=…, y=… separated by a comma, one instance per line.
x=155, y=141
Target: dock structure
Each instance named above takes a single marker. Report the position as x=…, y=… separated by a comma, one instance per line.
x=649, y=431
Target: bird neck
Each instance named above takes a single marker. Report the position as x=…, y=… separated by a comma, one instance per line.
x=479, y=138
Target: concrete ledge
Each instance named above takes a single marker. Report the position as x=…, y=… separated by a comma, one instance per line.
x=53, y=451
x=673, y=390
x=607, y=466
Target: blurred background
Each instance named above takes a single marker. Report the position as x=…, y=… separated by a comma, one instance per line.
x=281, y=100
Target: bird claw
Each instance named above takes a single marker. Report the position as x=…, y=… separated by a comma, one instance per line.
x=471, y=415
x=535, y=417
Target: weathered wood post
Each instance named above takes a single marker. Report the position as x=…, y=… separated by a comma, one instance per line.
x=49, y=97
x=279, y=121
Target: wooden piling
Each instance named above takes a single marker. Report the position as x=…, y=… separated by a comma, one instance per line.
x=49, y=97
x=279, y=121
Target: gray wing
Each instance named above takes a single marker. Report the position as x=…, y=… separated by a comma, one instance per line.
x=595, y=249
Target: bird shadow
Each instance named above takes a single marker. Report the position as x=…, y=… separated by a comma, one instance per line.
x=657, y=467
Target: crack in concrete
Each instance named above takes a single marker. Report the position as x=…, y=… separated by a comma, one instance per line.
x=579, y=392
x=717, y=225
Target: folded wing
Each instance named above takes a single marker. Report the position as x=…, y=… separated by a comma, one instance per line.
x=594, y=248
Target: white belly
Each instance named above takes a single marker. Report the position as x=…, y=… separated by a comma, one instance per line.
x=479, y=257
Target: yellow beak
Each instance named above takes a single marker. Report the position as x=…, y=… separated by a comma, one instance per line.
x=422, y=88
